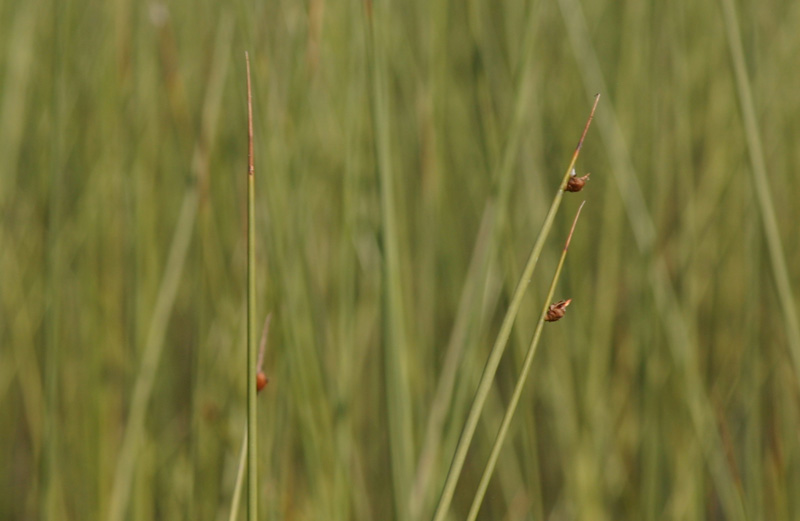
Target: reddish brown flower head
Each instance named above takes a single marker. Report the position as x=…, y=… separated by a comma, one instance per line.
x=261, y=381
x=575, y=183
x=557, y=310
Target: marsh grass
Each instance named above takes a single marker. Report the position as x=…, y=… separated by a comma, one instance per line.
x=488, y=374
x=672, y=393
x=523, y=376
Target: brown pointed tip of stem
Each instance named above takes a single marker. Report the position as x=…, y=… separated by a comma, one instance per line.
x=250, y=168
x=574, y=222
x=557, y=310
x=575, y=183
x=586, y=128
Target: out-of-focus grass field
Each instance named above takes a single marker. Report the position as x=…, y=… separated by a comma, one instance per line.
x=669, y=391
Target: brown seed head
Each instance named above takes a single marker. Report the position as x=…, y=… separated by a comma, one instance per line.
x=557, y=310
x=261, y=381
x=575, y=183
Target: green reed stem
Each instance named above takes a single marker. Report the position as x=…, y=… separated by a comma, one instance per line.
x=237, y=488
x=761, y=183
x=526, y=366
x=396, y=361
x=252, y=485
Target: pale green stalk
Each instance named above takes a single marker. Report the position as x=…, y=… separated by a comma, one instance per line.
x=51, y=491
x=761, y=182
x=526, y=366
x=237, y=488
x=250, y=380
x=398, y=395
x=154, y=343
x=502, y=339
x=143, y=387
x=492, y=223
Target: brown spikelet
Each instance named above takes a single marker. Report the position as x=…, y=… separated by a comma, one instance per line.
x=557, y=310
x=575, y=183
x=261, y=381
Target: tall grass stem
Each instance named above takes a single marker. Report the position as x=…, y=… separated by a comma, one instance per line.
x=758, y=169
x=398, y=395
x=250, y=380
x=523, y=376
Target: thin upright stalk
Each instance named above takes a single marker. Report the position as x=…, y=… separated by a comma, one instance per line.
x=761, y=184
x=237, y=489
x=123, y=480
x=252, y=485
x=490, y=369
x=396, y=348
x=492, y=224
x=526, y=366
x=51, y=490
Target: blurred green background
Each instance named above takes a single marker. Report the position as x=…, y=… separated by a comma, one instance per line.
x=439, y=137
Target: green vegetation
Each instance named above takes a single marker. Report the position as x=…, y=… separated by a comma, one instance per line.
x=406, y=158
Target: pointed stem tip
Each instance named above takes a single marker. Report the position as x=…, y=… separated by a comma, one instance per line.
x=250, y=167
x=589, y=121
x=574, y=222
